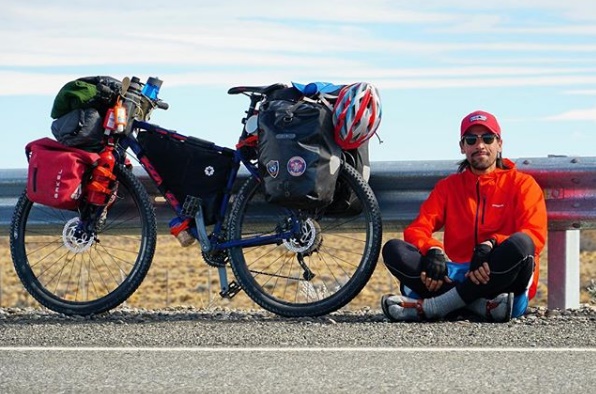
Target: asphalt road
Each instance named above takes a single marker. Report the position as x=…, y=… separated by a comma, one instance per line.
x=244, y=352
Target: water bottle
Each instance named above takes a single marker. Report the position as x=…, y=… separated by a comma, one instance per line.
x=311, y=89
x=151, y=88
x=180, y=229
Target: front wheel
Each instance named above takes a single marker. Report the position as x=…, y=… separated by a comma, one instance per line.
x=318, y=271
x=85, y=273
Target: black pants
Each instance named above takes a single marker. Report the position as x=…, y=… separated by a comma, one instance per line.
x=511, y=266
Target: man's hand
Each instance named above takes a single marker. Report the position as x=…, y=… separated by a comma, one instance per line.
x=479, y=270
x=434, y=269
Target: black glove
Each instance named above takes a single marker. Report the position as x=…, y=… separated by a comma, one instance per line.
x=434, y=264
x=481, y=254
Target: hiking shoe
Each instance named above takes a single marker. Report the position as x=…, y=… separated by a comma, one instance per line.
x=500, y=308
x=399, y=308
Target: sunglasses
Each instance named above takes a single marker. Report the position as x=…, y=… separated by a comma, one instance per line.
x=472, y=139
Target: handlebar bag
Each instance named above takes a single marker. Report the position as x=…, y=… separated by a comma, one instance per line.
x=189, y=166
x=298, y=157
x=57, y=173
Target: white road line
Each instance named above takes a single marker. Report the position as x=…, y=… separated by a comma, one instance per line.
x=293, y=350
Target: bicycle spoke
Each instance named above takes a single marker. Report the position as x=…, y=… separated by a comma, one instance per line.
x=318, y=270
x=75, y=270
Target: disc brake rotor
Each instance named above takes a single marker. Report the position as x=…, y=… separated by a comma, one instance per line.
x=75, y=239
x=309, y=239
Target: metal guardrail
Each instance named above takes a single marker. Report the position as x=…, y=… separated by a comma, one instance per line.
x=569, y=185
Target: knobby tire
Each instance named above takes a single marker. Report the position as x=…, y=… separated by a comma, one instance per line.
x=342, y=264
x=94, y=280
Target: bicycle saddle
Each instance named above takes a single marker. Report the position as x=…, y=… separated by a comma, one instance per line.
x=256, y=89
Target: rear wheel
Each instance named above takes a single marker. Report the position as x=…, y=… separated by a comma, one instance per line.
x=78, y=273
x=316, y=272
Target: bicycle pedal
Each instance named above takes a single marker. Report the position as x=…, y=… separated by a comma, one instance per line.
x=233, y=289
x=190, y=206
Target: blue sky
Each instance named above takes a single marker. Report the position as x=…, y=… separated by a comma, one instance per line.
x=532, y=63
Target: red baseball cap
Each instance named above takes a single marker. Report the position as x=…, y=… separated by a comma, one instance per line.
x=481, y=118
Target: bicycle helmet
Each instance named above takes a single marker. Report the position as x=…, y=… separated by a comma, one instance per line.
x=356, y=114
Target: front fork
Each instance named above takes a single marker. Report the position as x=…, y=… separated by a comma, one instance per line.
x=93, y=217
x=90, y=218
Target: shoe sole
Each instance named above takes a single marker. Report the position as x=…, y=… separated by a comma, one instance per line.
x=509, y=307
x=385, y=307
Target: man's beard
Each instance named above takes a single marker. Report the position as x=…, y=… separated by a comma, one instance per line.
x=482, y=164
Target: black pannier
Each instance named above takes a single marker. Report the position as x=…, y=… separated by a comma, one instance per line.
x=189, y=167
x=345, y=202
x=298, y=157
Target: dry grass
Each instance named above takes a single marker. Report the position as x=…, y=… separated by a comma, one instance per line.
x=179, y=276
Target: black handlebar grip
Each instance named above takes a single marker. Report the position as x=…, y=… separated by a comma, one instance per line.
x=162, y=105
x=104, y=90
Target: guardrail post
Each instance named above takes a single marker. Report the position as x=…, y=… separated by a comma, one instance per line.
x=563, y=269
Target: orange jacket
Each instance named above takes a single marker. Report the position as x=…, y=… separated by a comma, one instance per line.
x=473, y=209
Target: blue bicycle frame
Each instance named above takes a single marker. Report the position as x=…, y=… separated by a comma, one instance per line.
x=207, y=243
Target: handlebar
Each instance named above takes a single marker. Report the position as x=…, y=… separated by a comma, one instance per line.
x=141, y=98
x=162, y=105
x=136, y=90
x=105, y=90
x=138, y=98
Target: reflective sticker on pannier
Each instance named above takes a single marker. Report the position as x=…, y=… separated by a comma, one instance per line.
x=273, y=168
x=296, y=166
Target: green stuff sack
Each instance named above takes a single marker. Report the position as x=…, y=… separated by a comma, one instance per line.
x=74, y=95
x=82, y=93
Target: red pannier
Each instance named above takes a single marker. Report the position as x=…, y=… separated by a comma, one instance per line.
x=57, y=172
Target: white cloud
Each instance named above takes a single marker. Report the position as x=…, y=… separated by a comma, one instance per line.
x=572, y=9
x=271, y=46
x=491, y=26
x=157, y=15
x=204, y=33
x=215, y=43
x=583, y=92
x=496, y=82
x=492, y=60
x=20, y=83
x=575, y=115
x=470, y=71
